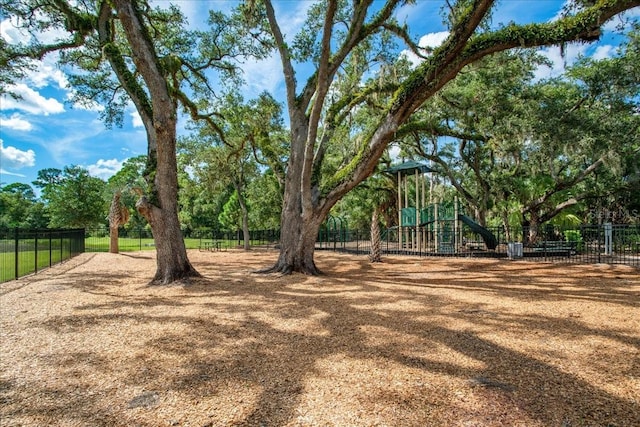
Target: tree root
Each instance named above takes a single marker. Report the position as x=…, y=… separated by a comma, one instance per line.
x=285, y=269
x=161, y=279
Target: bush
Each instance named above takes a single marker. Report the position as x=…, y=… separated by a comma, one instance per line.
x=574, y=236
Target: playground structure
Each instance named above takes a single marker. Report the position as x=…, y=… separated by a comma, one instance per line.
x=434, y=227
x=438, y=228
x=443, y=228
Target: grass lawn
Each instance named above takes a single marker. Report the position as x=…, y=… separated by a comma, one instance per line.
x=27, y=262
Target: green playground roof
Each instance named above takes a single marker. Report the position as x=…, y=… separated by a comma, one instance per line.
x=407, y=168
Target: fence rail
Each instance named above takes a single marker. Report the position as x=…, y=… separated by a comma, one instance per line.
x=24, y=251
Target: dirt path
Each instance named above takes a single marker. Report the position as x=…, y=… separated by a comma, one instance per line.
x=409, y=342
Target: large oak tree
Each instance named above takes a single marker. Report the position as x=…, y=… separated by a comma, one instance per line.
x=341, y=36
x=128, y=52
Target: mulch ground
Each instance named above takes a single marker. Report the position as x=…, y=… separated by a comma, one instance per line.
x=408, y=342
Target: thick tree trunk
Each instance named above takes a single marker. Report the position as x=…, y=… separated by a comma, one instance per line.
x=532, y=228
x=507, y=226
x=245, y=232
x=159, y=116
x=299, y=225
x=297, y=246
x=171, y=255
x=162, y=214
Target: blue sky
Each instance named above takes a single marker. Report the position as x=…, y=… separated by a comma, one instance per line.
x=43, y=130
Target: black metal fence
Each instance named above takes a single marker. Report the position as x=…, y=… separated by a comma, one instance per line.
x=24, y=252
x=137, y=239
x=28, y=251
x=611, y=244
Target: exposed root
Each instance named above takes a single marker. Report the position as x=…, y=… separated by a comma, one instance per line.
x=287, y=269
x=161, y=279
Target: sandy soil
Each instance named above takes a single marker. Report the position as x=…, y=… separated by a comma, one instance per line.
x=409, y=342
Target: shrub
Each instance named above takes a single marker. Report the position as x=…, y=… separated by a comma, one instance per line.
x=576, y=237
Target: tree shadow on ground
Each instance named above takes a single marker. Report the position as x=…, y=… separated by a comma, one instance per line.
x=267, y=336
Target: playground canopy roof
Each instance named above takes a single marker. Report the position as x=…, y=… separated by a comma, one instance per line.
x=407, y=168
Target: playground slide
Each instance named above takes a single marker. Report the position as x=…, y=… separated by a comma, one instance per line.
x=488, y=237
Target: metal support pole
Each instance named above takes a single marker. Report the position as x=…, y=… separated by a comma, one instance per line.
x=35, y=253
x=456, y=226
x=399, y=211
x=417, y=237
x=50, y=248
x=16, y=252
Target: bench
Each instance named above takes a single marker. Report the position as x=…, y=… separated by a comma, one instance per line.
x=556, y=246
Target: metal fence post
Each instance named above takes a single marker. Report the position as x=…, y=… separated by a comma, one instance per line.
x=35, y=253
x=50, y=248
x=17, y=252
x=599, y=226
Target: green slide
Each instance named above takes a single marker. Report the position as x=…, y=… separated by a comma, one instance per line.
x=488, y=237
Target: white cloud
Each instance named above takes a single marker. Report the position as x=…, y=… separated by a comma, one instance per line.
x=11, y=33
x=6, y=172
x=86, y=105
x=292, y=19
x=265, y=75
x=46, y=72
x=15, y=122
x=559, y=62
x=72, y=140
x=43, y=71
x=431, y=40
x=603, y=52
x=136, y=120
x=394, y=152
x=623, y=20
x=105, y=168
x=31, y=102
x=16, y=158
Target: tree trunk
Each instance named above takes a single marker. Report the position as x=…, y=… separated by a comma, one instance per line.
x=245, y=217
x=507, y=226
x=113, y=240
x=533, y=235
x=158, y=113
x=299, y=225
x=376, y=247
x=297, y=246
x=162, y=213
x=245, y=231
x=171, y=255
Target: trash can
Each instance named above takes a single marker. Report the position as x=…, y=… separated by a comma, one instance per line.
x=514, y=250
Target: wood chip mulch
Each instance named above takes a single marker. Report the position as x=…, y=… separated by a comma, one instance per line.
x=406, y=342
